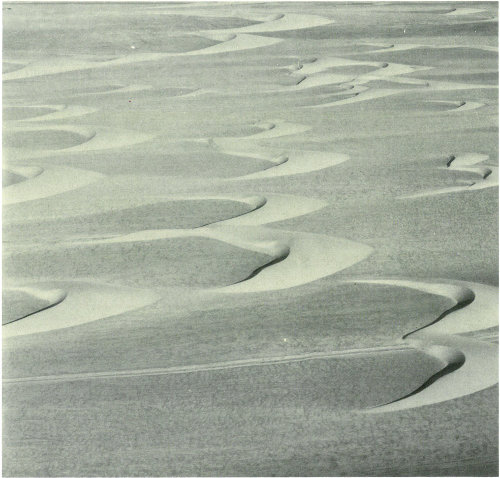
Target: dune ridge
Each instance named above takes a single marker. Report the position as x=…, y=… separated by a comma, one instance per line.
x=469, y=364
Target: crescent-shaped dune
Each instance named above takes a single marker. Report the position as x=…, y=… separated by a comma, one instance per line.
x=63, y=65
x=84, y=302
x=300, y=258
x=465, y=162
x=17, y=174
x=49, y=182
x=299, y=162
x=277, y=207
x=21, y=302
x=289, y=21
x=87, y=139
x=463, y=11
x=62, y=112
x=237, y=43
x=469, y=365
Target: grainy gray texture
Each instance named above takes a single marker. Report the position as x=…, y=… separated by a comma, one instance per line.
x=250, y=239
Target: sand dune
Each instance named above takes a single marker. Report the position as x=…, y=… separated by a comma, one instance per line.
x=460, y=106
x=272, y=129
x=302, y=257
x=61, y=112
x=299, y=162
x=298, y=258
x=15, y=174
x=469, y=365
x=21, y=302
x=237, y=43
x=47, y=183
x=277, y=207
x=34, y=141
x=83, y=302
x=465, y=162
x=463, y=11
x=284, y=22
x=55, y=66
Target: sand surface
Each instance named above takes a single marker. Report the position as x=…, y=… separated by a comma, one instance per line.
x=250, y=239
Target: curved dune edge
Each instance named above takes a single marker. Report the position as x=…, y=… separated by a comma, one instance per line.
x=22, y=172
x=51, y=297
x=297, y=258
x=284, y=22
x=303, y=257
x=93, y=139
x=460, y=106
x=84, y=302
x=283, y=163
x=59, y=112
x=469, y=365
x=465, y=162
x=463, y=11
x=48, y=182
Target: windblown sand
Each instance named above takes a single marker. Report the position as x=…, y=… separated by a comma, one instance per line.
x=250, y=239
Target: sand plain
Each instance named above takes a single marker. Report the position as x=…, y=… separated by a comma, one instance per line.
x=250, y=239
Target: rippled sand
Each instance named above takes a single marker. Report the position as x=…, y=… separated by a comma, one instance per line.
x=250, y=239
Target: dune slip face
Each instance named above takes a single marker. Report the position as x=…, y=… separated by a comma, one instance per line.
x=250, y=239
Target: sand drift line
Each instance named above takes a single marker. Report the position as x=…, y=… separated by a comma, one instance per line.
x=255, y=362
x=469, y=365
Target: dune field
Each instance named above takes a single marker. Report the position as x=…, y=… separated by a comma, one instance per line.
x=250, y=239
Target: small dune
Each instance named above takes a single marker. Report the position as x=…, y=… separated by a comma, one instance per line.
x=16, y=113
x=47, y=183
x=21, y=302
x=42, y=139
x=83, y=302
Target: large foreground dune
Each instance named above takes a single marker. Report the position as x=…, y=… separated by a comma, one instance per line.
x=250, y=239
